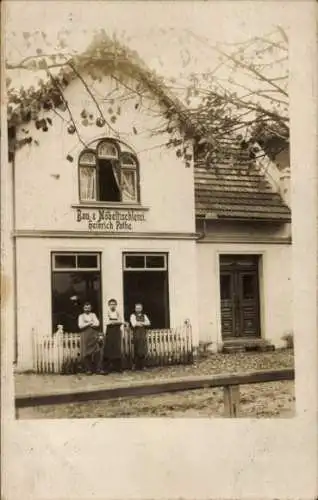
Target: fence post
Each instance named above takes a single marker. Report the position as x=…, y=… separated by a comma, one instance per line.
x=34, y=356
x=231, y=395
x=59, y=348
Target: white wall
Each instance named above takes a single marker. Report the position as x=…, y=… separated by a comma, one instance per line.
x=47, y=184
x=244, y=232
x=34, y=281
x=275, y=288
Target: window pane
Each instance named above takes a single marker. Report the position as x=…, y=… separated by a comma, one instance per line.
x=87, y=183
x=128, y=185
x=69, y=292
x=108, y=182
x=248, y=286
x=87, y=261
x=238, y=260
x=155, y=261
x=134, y=261
x=65, y=261
x=226, y=291
x=127, y=159
x=87, y=158
x=107, y=150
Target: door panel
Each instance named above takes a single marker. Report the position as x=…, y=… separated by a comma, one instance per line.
x=248, y=293
x=227, y=304
x=239, y=297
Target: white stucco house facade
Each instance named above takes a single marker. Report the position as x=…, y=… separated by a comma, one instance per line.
x=111, y=212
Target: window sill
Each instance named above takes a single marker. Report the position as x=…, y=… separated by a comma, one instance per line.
x=110, y=205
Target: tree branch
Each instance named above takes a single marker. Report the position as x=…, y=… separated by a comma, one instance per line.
x=93, y=97
x=48, y=66
x=256, y=107
x=261, y=93
x=22, y=63
x=58, y=114
x=272, y=44
x=283, y=33
x=57, y=86
x=238, y=63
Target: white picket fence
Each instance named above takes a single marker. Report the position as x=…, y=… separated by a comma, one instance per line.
x=56, y=353
x=61, y=352
x=165, y=347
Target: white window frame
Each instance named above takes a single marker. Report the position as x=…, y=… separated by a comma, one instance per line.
x=128, y=167
x=76, y=268
x=107, y=157
x=145, y=255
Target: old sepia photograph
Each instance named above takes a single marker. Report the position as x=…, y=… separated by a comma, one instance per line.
x=148, y=213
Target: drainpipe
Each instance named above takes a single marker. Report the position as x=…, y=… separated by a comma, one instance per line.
x=202, y=234
x=207, y=217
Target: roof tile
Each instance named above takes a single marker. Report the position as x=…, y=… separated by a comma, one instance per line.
x=236, y=191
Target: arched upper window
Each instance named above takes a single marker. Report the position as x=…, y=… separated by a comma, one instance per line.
x=108, y=174
x=87, y=158
x=108, y=150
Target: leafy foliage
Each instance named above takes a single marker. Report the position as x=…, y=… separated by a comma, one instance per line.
x=244, y=98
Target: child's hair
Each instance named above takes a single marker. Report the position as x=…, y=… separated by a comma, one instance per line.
x=87, y=304
x=138, y=304
x=112, y=301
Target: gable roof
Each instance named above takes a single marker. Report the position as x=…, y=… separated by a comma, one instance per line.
x=102, y=51
x=235, y=189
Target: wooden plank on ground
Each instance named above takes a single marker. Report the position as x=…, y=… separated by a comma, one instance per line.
x=146, y=388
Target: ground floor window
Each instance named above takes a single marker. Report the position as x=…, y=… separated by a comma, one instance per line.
x=239, y=291
x=145, y=280
x=76, y=278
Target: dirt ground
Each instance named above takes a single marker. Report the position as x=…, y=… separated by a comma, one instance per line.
x=260, y=400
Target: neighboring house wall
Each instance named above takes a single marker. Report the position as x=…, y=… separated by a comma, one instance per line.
x=244, y=231
x=278, y=173
x=275, y=286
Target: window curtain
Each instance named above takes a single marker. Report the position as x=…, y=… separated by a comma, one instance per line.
x=116, y=173
x=88, y=183
x=128, y=185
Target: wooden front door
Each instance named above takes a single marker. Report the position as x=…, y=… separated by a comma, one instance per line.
x=239, y=296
